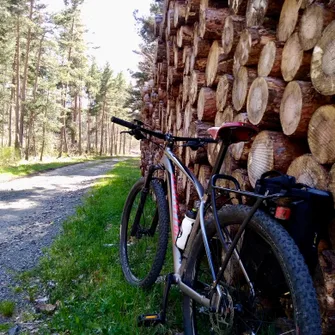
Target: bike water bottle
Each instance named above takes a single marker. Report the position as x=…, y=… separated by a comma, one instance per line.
x=185, y=228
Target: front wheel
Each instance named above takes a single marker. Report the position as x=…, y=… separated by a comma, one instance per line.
x=281, y=298
x=144, y=234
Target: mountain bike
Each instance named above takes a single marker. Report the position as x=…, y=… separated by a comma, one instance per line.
x=240, y=271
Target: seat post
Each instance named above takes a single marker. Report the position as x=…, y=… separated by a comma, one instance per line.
x=221, y=156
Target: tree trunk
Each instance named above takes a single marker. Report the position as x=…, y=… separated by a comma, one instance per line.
x=18, y=90
x=320, y=134
x=25, y=75
x=308, y=171
x=44, y=128
x=79, y=126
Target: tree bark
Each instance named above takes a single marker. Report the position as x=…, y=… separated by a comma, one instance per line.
x=206, y=104
x=321, y=134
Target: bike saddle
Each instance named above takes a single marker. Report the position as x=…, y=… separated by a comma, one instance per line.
x=233, y=132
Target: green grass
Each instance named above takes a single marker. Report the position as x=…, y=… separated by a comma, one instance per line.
x=84, y=266
x=7, y=308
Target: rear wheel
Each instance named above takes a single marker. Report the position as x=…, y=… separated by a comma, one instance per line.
x=284, y=299
x=143, y=241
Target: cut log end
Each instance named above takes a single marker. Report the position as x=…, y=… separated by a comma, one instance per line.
x=291, y=58
x=321, y=134
x=228, y=35
x=206, y=104
x=271, y=151
x=257, y=100
x=323, y=62
x=222, y=92
x=290, y=108
x=267, y=59
x=311, y=26
x=308, y=171
x=212, y=63
x=288, y=19
x=240, y=88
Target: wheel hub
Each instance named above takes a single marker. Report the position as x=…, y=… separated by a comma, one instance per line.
x=222, y=320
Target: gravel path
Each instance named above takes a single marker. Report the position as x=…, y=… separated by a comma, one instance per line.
x=32, y=210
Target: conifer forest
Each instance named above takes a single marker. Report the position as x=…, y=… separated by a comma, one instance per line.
x=54, y=98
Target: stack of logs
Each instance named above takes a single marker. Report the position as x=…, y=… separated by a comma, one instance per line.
x=270, y=63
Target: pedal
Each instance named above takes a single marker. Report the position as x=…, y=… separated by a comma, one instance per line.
x=149, y=320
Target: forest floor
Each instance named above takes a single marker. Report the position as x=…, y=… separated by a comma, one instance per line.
x=32, y=210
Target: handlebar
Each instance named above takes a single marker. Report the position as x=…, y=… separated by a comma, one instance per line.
x=136, y=130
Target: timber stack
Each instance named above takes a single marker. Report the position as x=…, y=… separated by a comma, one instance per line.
x=270, y=63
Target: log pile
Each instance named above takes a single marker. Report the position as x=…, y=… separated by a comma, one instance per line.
x=270, y=63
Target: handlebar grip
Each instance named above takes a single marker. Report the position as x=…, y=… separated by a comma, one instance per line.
x=123, y=123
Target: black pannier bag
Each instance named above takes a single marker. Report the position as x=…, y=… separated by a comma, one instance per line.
x=304, y=211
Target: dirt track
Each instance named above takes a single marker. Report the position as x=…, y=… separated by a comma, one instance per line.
x=32, y=210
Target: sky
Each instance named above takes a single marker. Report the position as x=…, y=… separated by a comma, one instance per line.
x=111, y=27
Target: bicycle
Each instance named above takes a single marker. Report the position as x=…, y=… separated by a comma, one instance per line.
x=240, y=271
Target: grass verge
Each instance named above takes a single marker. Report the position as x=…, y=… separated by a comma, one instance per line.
x=24, y=168
x=83, y=267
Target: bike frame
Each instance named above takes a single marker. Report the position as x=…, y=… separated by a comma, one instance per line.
x=168, y=164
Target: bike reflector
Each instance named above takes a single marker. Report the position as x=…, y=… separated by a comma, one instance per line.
x=283, y=213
